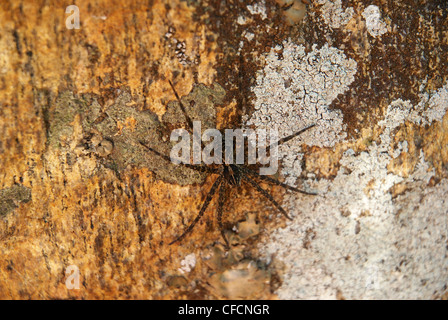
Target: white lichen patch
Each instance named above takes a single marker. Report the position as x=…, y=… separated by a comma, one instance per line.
x=188, y=263
x=334, y=15
x=295, y=90
x=387, y=256
x=436, y=106
x=241, y=20
x=258, y=8
x=364, y=244
x=249, y=35
x=430, y=108
x=375, y=26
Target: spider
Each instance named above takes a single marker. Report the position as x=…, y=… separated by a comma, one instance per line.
x=229, y=175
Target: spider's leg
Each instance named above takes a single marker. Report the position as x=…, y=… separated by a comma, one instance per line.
x=221, y=200
x=182, y=107
x=201, y=212
x=292, y=136
x=275, y=181
x=187, y=117
x=265, y=194
x=191, y=166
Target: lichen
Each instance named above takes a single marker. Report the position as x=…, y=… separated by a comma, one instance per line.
x=333, y=13
x=376, y=234
x=258, y=8
x=11, y=197
x=305, y=86
x=431, y=107
x=112, y=133
x=375, y=26
x=379, y=255
x=188, y=263
x=63, y=113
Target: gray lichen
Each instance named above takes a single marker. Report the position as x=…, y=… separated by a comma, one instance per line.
x=374, y=24
x=294, y=90
x=430, y=108
x=112, y=133
x=334, y=14
x=11, y=197
x=366, y=243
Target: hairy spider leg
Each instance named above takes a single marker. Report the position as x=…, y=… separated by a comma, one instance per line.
x=295, y=134
x=201, y=212
x=182, y=107
x=265, y=194
x=221, y=201
x=187, y=165
x=274, y=181
x=242, y=172
x=184, y=111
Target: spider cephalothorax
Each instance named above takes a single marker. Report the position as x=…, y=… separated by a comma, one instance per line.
x=232, y=174
x=229, y=175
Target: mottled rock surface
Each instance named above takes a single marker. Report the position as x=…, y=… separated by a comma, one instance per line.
x=77, y=188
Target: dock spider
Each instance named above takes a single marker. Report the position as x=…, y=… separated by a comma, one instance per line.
x=229, y=175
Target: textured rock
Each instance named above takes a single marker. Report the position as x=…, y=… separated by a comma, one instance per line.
x=78, y=189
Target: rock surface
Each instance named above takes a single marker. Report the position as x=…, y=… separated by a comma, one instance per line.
x=78, y=189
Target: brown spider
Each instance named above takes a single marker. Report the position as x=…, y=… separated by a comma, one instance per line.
x=228, y=175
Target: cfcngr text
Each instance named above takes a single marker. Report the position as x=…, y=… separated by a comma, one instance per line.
x=245, y=309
